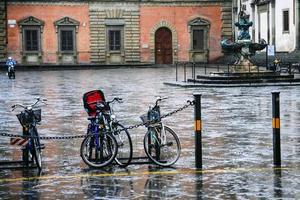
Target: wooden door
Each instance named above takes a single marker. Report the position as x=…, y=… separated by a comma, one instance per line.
x=163, y=46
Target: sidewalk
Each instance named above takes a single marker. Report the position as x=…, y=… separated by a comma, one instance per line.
x=41, y=67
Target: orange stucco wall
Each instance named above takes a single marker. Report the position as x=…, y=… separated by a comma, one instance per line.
x=179, y=18
x=49, y=14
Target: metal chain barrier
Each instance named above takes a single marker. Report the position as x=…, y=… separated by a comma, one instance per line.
x=189, y=103
x=43, y=137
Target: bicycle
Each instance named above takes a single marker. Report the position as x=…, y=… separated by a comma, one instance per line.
x=125, y=150
x=105, y=135
x=29, y=118
x=275, y=66
x=161, y=143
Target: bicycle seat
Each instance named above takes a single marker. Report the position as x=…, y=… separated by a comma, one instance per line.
x=90, y=100
x=91, y=117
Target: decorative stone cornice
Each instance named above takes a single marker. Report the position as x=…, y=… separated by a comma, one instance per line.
x=66, y=21
x=100, y=6
x=199, y=22
x=114, y=13
x=182, y=3
x=260, y=2
x=61, y=3
x=31, y=21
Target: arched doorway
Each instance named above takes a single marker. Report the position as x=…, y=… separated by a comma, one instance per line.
x=163, y=46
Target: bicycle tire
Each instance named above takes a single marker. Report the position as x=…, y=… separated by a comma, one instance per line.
x=124, y=155
x=37, y=153
x=88, y=146
x=164, y=154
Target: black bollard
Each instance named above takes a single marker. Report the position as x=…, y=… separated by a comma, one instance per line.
x=184, y=71
x=276, y=129
x=198, y=127
x=176, y=69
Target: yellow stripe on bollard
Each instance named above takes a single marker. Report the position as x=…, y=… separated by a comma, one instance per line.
x=198, y=125
x=276, y=123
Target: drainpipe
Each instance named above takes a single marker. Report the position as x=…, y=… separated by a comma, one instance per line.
x=253, y=13
x=268, y=23
x=298, y=25
x=233, y=17
x=273, y=23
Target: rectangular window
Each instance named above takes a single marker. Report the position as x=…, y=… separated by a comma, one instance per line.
x=198, y=39
x=67, y=40
x=114, y=40
x=286, y=23
x=31, y=40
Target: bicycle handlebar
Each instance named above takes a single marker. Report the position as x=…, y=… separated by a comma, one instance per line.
x=30, y=106
x=160, y=99
x=117, y=99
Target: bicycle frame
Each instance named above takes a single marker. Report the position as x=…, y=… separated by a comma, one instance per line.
x=29, y=119
x=161, y=143
x=98, y=123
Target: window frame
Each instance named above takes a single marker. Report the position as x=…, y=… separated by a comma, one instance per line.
x=114, y=46
x=115, y=28
x=66, y=28
x=198, y=28
x=24, y=39
x=199, y=24
x=31, y=23
x=284, y=22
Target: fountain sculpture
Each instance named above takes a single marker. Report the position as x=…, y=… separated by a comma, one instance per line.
x=243, y=47
x=243, y=72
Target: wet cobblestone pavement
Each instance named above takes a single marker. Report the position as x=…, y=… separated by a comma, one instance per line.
x=237, y=139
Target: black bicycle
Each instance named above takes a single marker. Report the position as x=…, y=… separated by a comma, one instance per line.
x=29, y=118
x=106, y=139
x=161, y=143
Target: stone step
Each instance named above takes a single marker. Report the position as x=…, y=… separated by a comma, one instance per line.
x=277, y=80
x=245, y=76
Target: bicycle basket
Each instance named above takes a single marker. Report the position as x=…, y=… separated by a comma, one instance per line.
x=144, y=118
x=25, y=118
x=37, y=115
x=90, y=100
x=154, y=114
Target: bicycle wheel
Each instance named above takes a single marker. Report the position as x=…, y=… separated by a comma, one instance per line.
x=36, y=149
x=124, y=155
x=98, y=151
x=162, y=146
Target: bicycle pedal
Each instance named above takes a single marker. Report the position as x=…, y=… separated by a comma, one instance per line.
x=169, y=144
x=120, y=144
x=42, y=146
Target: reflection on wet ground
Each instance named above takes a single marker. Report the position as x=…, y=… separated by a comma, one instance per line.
x=237, y=139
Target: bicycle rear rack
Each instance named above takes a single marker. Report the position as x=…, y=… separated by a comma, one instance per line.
x=19, y=164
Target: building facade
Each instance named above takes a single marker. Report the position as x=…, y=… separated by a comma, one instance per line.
x=2, y=30
x=116, y=32
x=275, y=21
x=48, y=32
